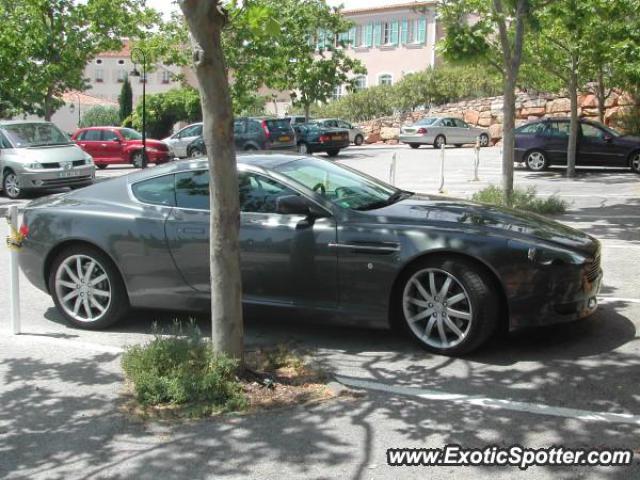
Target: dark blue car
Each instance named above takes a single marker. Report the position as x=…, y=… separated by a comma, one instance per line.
x=544, y=142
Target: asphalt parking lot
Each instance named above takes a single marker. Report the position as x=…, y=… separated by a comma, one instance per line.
x=574, y=385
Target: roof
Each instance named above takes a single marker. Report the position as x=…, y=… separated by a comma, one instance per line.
x=125, y=51
x=386, y=8
x=20, y=122
x=86, y=100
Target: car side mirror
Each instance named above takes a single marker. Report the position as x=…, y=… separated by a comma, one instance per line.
x=297, y=205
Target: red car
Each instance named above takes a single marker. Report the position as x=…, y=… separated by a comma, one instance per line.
x=114, y=145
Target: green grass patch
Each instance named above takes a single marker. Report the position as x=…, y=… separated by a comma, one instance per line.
x=521, y=200
x=182, y=369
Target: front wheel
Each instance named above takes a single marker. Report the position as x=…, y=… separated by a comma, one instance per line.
x=536, y=161
x=138, y=160
x=635, y=162
x=87, y=288
x=11, y=185
x=484, y=140
x=414, y=145
x=448, y=305
x=196, y=153
x=333, y=152
x=359, y=140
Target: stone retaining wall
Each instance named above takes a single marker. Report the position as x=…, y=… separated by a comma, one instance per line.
x=487, y=113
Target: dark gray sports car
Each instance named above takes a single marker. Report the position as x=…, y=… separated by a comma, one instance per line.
x=315, y=236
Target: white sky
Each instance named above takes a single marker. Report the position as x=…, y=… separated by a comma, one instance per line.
x=166, y=6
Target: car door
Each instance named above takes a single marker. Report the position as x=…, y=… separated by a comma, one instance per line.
x=285, y=259
x=464, y=133
x=448, y=129
x=555, y=141
x=184, y=138
x=90, y=141
x=240, y=132
x=347, y=126
x=112, y=146
x=597, y=147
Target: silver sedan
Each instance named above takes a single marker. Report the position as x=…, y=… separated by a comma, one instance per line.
x=439, y=131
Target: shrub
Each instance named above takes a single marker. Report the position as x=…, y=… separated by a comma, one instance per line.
x=100, y=116
x=181, y=369
x=521, y=200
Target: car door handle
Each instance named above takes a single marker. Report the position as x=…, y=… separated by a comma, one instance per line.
x=367, y=247
x=192, y=230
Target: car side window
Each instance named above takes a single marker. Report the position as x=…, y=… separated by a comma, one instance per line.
x=447, y=122
x=92, y=136
x=254, y=127
x=531, y=129
x=259, y=194
x=344, y=125
x=157, y=191
x=110, y=136
x=4, y=143
x=589, y=131
x=192, y=190
x=557, y=129
x=460, y=124
x=239, y=127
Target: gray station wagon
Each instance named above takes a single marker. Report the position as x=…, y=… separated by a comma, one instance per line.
x=36, y=155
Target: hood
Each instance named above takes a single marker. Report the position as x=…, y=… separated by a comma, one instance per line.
x=420, y=209
x=54, y=153
x=630, y=139
x=150, y=143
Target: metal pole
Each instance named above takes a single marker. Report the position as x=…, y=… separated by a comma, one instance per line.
x=441, y=189
x=144, y=110
x=392, y=169
x=14, y=278
x=476, y=164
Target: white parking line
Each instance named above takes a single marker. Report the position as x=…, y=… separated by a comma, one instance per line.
x=479, y=401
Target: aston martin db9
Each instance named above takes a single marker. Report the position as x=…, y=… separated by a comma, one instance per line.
x=316, y=237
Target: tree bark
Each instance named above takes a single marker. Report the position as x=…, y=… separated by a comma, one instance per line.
x=206, y=19
x=573, y=126
x=307, y=112
x=601, y=95
x=508, y=135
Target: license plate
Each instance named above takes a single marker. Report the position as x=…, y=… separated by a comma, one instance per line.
x=284, y=138
x=68, y=174
x=337, y=137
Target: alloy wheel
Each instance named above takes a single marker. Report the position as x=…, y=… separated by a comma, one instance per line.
x=196, y=153
x=137, y=160
x=83, y=288
x=11, y=185
x=359, y=140
x=635, y=163
x=484, y=140
x=536, y=161
x=437, y=308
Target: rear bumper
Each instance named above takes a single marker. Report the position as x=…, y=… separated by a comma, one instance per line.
x=323, y=147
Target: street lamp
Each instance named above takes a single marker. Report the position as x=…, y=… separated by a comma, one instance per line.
x=135, y=73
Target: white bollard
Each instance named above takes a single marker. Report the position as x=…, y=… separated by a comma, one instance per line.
x=441, y=189
x=392, y=169
x=14, y=278
x=476, y=163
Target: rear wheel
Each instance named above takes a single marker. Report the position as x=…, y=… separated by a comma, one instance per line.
x=484, y=140
x=86, y=288
x=102, y=166
x=359, y=140
x=439, y=141
x=11, y=185
x=196, y=152
x=414, y=145
x=138, y=159
x=635, y=162
x=333, y=152
x=536, y=161
x=448, y=305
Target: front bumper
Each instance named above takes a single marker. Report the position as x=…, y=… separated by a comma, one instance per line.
x=56, y=177
x=157, y=157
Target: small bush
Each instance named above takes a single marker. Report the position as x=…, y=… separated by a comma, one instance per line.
x=521, y=200
x=180, y=369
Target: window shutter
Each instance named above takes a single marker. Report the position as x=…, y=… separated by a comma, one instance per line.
x=422, y=30
x=369, y=35
x=377, y=34
x=404, y=35
x=395, y=26
x=352, y=37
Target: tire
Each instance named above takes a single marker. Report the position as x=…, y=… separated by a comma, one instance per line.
x=115, y=305
x=359, y=140
x=333, y=152
x=11, y=185
x=470, y=288
x=634, y=162
x=303, y=149
x=484, y=140
x=250, y=148
x=458, y=145
x=137, y=159
x=102, y=166
x=414, y=145
x=196, y=153
x=536, y=161
x=439, y=141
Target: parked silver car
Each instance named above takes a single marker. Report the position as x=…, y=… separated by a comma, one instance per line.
x=356, y=136
x=179, y=141
x=438, y=131
x=36, y=155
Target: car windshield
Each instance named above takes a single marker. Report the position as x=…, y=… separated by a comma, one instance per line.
x=24, y=135
x=426, y=121
x=130, y=134
x=342, y=186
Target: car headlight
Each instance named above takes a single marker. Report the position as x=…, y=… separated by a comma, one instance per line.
x=547, y=256
x=34, y=166
x=88, y=160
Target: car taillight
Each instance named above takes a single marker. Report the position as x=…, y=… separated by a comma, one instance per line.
x=24, y=230
x=325, y=138
x=266, y=129
x=422, y=131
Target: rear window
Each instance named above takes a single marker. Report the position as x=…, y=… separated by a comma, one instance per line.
x=157, y=191
x=278, y=124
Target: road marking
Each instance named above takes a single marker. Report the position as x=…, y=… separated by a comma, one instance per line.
x=494, y=403
x=65, y=342
x=617, y=299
